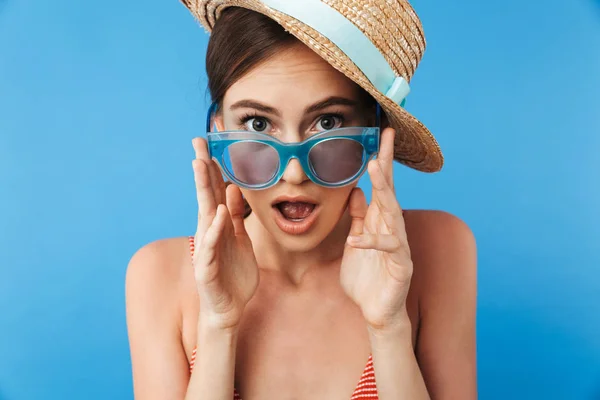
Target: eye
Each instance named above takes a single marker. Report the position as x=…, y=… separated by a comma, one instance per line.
x=328, y=122
x=256, y=124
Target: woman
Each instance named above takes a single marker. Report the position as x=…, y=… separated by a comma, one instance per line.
x=296, y=283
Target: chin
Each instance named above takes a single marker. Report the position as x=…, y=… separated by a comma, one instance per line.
x=307, y=241
x=298, y=243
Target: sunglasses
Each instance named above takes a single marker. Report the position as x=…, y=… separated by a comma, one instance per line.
x=330, y=158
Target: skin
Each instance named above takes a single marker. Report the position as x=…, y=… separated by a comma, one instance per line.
x=305, y=310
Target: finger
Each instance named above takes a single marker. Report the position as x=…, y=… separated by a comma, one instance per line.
x=388, y=243
x=235, y=205
x=385, y=198
x=201, y=148
x=196, y=144
x=216, y=178
x=201, y=151
x=217, y=181
x=212, y=235
x=386, y=154
x=357, y=208
x=204, y=194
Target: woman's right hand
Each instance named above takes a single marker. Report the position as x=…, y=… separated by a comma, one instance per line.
x=224, y=263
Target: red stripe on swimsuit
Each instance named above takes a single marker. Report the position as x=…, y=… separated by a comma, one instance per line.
x=366, y=388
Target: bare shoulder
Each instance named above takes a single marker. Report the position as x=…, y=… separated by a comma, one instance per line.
x=444, y=253
x=443, y=250
x=439, y=237
x=158, y=264
x=153, y=308
x=437, y=226
x=154, y=278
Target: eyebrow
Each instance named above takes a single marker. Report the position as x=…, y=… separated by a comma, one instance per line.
x=255, y=105
x=330, y=101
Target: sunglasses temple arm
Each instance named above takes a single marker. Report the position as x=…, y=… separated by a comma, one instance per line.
x=209, y=115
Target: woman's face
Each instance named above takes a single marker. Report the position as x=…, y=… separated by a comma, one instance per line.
x=293, y=96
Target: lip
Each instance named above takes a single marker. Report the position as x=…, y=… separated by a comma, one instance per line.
x=294, y=199
x=293, y=227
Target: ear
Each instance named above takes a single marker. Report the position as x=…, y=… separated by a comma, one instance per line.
x=218, y=121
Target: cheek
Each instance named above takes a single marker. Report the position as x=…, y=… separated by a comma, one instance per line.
x=257, y=199
x=336, y=201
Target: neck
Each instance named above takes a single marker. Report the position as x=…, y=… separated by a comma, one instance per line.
x=295, y=265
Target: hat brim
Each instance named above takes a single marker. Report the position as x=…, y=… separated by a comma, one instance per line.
x=414, y=145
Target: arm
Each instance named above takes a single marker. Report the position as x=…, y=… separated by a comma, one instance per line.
x=213, y=373
x=444, y=251
x=397, y=372
x=226, y=277
x=446, y=347
x=159, y=364
x=382, y=263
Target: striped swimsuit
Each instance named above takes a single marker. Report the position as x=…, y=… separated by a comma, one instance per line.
x=366, y=388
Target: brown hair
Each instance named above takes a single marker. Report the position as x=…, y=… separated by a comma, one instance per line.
x=240, y=40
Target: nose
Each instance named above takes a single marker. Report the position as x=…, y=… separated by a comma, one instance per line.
x=294, y=173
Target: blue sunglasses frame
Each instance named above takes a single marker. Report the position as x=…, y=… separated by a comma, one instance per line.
x=218, y=142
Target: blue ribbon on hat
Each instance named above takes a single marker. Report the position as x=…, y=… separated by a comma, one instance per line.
x=351, y=40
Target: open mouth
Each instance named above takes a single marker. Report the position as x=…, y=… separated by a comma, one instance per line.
x=295, y=211
x=295, y=216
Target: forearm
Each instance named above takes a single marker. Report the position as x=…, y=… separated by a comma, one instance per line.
x=213, y=374
x=397, y=372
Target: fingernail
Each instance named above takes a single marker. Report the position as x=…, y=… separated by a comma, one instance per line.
x=353, y=239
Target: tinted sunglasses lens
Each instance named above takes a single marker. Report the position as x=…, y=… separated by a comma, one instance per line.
x=251, y=163
x=336, y=160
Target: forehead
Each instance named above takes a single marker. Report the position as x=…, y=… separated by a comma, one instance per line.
x=297, y=75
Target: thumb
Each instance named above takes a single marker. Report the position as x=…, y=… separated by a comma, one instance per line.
x=357, y=206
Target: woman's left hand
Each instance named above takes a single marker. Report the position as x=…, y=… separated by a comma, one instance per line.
x=376, y=266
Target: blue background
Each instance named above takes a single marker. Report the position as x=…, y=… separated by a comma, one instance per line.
x=98, y=105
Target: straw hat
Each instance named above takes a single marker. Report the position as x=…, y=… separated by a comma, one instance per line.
x=376, y=43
